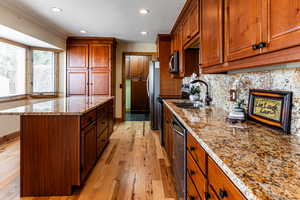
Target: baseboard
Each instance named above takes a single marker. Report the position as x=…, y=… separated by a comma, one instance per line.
x=9, y=137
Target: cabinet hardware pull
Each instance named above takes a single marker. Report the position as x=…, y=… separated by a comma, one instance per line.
x=262, y=45
x=192, y=148
x=223, y=193
x=192, y=172
x=254, y=46
x=207, y=196
x=192, y=198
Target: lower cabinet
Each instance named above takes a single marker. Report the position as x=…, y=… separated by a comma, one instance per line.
x=167, y=132
x=96, y=129
x=88, y=149
x=210, y=182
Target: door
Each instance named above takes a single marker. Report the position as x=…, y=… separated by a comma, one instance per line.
x=212, y=32
x=100, y=56
x=100, y=82
x=78, y=56
x=77, y=82
x=282, y=24
x=242, y=28
x=139, y=96
x=88, y=149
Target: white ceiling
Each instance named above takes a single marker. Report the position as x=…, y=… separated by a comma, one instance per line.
x=104, y=18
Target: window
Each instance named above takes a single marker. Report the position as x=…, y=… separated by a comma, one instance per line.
x=43, y=71
x=12, y=70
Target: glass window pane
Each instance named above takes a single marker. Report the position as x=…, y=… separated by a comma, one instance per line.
x=12, y=70
x=43, y=71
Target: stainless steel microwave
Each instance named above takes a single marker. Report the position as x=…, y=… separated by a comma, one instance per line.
x=174, y=63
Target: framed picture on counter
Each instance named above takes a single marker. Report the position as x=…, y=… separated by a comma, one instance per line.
x=271, y=108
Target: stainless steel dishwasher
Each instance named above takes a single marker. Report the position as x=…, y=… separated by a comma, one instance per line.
x=179, y=157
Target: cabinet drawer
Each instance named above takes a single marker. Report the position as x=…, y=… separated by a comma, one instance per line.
x=101, y=126
x=197, y=153
x=88, y=118
x=224, y=188
x=192, y=193
x=102, y=111
x=101, y=142
x=196, y=175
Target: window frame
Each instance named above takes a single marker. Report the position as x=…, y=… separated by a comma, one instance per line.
x=56, y=73
x=29, y=73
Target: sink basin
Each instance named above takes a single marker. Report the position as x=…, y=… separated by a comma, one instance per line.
x=187, y=104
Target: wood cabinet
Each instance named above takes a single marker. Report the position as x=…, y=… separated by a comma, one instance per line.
x=281, y=24
x=88, y=149
x=66, y=151
x=212, y=33
x=190, y=21
x=242, y=28
x=167, y=132
x=139, y=96
x=208, y=179
x=137, y=67
x=90, y=66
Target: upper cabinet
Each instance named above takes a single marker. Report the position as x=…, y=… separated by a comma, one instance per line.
x=242, y=28
x=190, y=21
x=90, y=66
x=281, y=24
x=211, y=44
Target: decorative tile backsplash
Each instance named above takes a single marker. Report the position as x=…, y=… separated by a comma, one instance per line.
x=286, y=78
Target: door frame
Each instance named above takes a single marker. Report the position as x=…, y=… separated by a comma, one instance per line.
x=123, y=83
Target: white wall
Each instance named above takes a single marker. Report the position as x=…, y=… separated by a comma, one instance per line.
x=127, y=47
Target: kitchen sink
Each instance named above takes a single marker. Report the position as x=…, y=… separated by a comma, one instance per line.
x=187, y=104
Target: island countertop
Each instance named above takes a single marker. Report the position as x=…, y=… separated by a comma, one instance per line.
x=263, y=163
x=73, y=105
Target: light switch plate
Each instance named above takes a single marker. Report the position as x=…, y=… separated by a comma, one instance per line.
x=232, y=95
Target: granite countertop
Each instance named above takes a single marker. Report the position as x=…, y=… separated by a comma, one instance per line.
x=263, y=163
x=74, y=105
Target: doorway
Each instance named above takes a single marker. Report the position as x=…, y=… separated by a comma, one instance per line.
x=135, y=95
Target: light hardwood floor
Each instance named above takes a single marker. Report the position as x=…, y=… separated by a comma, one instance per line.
x=133, y=167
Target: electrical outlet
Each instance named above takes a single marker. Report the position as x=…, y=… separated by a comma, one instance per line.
x=232, y=95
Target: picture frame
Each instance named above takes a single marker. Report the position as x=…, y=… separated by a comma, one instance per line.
x=271, y=108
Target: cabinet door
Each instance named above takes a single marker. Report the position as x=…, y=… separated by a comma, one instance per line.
x=77, y=56
x=88, y=149
x=283, y=24
x=77, y=82
x=186, y=29
x=100, y=83
x=100, y=56
x=242, y=28
x=194, y=18
x=212, y=33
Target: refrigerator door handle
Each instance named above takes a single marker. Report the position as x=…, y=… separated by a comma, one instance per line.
x=148, y=86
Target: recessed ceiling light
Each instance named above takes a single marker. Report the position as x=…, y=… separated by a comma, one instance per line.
x=55, y=9
x=83, y=31
x=144, y=33
x=144, y=11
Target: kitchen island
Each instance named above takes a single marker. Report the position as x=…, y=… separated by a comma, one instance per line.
x=61, y=140
x=237, y=161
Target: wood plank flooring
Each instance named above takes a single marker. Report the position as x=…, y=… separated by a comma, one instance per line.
x=133, y=167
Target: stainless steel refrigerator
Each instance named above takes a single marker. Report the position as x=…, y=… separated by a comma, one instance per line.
x=153, y=94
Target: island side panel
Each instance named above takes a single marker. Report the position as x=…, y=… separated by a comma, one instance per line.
x=50, y=154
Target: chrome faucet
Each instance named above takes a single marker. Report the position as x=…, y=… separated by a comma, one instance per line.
x=208, y=99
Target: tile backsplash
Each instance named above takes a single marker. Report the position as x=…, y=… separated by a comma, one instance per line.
x=283, y=77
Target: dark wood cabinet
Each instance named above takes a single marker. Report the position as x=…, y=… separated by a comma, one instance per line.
x=137, y=67
x=94, y=58
x=139, y=97
x=78, y=56
x=100, y=82
x=167, y=132
x=190, y=21
x=88, y=149
x=78, y=82
x=281, y=24
x=212, y=33
x=242, y=28
x=208, y=179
